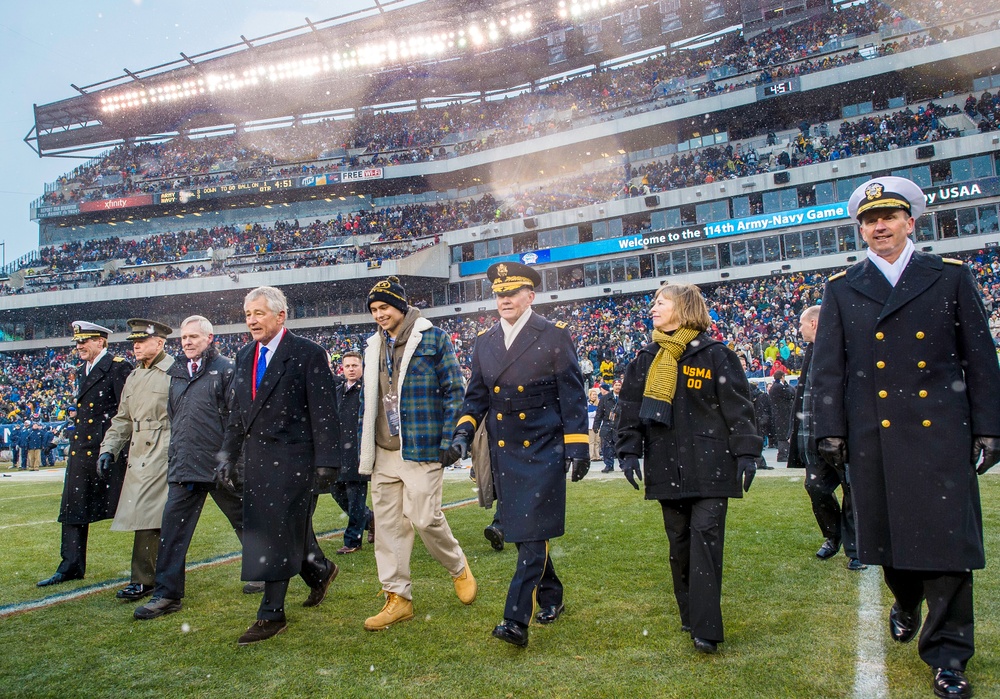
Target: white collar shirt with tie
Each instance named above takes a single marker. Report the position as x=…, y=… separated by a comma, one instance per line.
x=90, y=365
x=193, y=367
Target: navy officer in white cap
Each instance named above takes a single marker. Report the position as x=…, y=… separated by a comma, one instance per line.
x=905, y=374
x=87, y=498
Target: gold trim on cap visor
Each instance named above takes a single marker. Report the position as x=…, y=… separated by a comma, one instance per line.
x=884, y=204
x=501, y=286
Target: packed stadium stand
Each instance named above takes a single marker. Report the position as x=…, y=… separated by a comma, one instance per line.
x=711, y=142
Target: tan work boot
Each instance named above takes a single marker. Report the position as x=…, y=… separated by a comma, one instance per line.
x=465, y=585
x=396, y=609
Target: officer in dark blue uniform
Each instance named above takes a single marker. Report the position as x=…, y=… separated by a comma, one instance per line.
x=526, y=383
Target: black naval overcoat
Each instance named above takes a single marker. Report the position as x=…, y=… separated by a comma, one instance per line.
x=285, y=433
x=533, y=400
x=87, y=498
x=908, y=374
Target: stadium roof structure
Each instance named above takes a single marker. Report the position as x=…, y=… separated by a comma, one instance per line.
x=396, y=52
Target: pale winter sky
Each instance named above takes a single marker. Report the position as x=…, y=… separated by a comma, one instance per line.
x=45, y=46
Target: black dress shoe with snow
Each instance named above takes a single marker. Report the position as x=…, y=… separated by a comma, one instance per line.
x=703, y=645
x=951, y=684
x=133, y=592
x=829, y=549
x=511, y=632
x=903, y=625
x=57, y=579
x=546, y=615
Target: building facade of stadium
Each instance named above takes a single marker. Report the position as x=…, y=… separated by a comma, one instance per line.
x=610, y=176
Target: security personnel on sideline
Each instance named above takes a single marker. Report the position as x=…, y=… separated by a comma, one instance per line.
x=526, y=383
x=907, y=376
x=86, y=497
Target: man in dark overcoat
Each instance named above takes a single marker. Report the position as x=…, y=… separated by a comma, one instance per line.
x=86, y=497
x=906, y=374
x=284, y=423
x=606, y=424
x=526, y=383
x=350, y=490
x=782, y=397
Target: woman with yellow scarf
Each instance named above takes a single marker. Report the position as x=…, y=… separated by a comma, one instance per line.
x=686, y=409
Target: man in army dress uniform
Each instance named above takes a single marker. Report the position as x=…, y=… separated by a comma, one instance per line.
x=86, y=497
x=526, y=383
x=906, y=376
x=143, y=424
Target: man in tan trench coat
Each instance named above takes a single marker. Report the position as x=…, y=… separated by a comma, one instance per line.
x=143, y=424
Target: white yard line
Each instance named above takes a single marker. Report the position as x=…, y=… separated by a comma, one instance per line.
x=869, y=666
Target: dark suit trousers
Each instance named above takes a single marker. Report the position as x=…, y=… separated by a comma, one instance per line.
x=608, y=447
x=73, y=549
x=696, y=530
x=351, y=497
x=947, y=638
x=315, y=568
x=534, y=580
x=835, y=521
x=180, y=517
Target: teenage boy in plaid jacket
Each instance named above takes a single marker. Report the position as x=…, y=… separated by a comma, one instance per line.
x=413, y=390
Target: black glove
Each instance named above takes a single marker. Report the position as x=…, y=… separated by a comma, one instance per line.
x=579, y=467
x=746, y=469
x=325, y=477
x=989, y=448
x=630, y=465
x=449, y=456
x=226, y=477
x=460, y=445
x=105, y=463
x=833, y=450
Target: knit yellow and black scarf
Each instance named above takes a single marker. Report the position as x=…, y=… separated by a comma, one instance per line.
x=661, y=379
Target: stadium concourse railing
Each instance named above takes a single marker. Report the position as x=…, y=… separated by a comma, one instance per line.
x=568, y=118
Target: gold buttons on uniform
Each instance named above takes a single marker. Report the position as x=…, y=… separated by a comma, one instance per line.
x=920, y=335
x=89, y=454
x=926, y=423
x=520, y=389
x=91, y=405
x=921, y=364
x=880, y=364
x=72, y=453
x=880, y=335
x=883, y=394
x=885, y=423
x=500, y=443
x=496, y=389
x=922, y=394
x=522, y=416
x=499, y=416
x=91, y=420
x=527, y=443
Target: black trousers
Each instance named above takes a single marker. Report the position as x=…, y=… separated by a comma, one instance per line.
x=836, y=521
x=947, y=638
x=73, y=550
x=696, y=530
x=608, y=447
x=315, y=568
x=534, y=580
x=185, y=502
x=351, y=497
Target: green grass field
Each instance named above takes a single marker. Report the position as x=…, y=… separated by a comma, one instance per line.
x=791, y=620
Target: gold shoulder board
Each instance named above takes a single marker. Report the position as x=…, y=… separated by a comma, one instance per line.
x=118, y=359
x=482, y=332
x=838, y=275
x=951, y=260
x=561, y=324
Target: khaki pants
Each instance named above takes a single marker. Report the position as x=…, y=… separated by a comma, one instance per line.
x=406, y=496
x=595, y=446
x=34, y=459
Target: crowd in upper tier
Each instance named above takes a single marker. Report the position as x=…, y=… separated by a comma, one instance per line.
x=387, y=138
x=758, y=318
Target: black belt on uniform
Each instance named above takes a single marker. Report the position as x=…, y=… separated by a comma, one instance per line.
x=531, y=400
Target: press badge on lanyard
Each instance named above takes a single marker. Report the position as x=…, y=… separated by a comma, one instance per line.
x=390, y=402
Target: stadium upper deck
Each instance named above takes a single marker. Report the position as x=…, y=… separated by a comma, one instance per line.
x=613, y=244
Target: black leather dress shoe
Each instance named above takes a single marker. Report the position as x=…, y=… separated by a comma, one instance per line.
x=58, y=578
x=685, y=628
x=261, y=630
x=903, y=625
x=495, y=537
x=855, y=564
x=546, y=615
x=951, y=684
x=254, y=587
x=318, y=593
x=829, y=549
x=133, y=592
x=512, y=633
x=703, y=645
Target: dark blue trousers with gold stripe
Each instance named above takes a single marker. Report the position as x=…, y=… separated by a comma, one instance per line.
x=535, y=580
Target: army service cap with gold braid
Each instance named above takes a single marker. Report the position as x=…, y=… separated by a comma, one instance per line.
x=508, y=277
x=143, y=329
x=887, y=193
x=82, y=330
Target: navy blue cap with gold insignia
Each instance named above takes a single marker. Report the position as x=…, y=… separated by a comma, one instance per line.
x=83, y=330
x=508, y=277
x=143, y=329
x=887, y=193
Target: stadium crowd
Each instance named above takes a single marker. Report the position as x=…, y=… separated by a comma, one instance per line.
x=758, y=318
x=387, y=138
